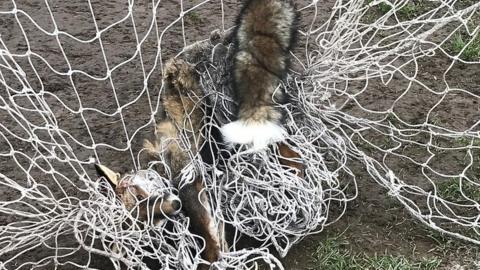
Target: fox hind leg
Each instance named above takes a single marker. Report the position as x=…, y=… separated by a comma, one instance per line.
x=182, y=96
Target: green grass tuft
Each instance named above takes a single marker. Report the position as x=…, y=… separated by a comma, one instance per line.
x=408, y=11
x=193, y=17
x=451, y=190
x=332, y=254
x=382, y=7
x=471, y=52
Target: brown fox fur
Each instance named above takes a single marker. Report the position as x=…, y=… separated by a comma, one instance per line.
x=263, y=37
x=181, y=101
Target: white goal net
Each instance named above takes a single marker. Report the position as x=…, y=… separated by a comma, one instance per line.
x=383, y=91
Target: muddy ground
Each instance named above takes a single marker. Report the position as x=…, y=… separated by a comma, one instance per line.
x=373, y=224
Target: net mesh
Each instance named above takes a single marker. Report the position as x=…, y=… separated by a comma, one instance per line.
x=384, y=89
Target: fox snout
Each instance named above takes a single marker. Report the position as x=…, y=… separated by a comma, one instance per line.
x=171, y=205
x=157, y=207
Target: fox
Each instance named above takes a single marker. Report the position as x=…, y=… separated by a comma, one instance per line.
x=182, y=102
x=178, y=138
x=263, y=37
x=149, y=197
x=145, y=194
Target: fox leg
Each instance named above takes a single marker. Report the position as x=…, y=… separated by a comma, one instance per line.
x=197, y=208
x=290, y=159
x=182, y=95
x=181, y=102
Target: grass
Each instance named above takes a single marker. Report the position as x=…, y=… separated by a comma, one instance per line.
x=382, y=7
x=451, y=190
x=447, y=245
x=408, y=11
x=333, y=254
x=193, y=17
x=471, y=52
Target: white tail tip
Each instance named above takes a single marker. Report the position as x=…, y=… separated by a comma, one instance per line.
x=259, y=135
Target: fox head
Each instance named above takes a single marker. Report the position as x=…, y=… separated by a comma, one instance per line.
x=147, y=195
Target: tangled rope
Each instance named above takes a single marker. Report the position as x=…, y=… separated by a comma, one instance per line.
x=373, y=82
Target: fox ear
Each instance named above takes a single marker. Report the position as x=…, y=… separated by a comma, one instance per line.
x=110, y=175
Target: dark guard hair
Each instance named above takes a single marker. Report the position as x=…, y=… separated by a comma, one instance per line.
x=265, y=33
x=183, y=104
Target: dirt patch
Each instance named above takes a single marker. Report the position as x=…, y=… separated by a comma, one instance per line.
x=86, y=108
